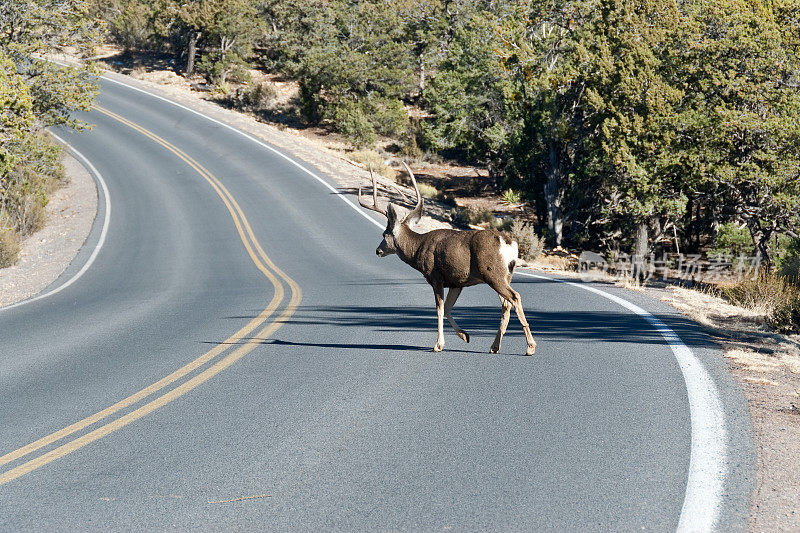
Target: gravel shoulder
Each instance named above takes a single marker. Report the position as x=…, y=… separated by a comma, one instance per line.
x=48, y=252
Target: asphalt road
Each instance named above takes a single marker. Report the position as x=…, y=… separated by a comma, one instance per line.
x=318, y=404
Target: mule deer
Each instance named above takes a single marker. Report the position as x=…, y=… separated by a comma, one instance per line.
x=453, y=259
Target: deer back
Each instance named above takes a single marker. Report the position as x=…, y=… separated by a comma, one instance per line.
x=463, y=258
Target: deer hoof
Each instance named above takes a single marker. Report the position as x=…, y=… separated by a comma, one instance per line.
x=531, y=349
x=464, y=336
x=438, y=347
x=494, y=349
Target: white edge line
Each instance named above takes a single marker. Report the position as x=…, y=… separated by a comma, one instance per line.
x=708, y=456
x=100, y=242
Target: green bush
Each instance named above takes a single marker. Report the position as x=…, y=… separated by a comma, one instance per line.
x=354, y=124
x=388, y=117
x=511, y=197
x=530, y=245
x=220, y=68
x=133, y=27
x=773, y=295
x=733, y=240
x=362, y=121
x=788, y=259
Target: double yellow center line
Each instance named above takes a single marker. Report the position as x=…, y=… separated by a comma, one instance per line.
x=262, y=262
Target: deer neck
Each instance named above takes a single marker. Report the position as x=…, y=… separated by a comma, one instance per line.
x=408, y=242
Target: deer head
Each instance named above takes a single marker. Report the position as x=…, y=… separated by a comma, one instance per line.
x=395, y=225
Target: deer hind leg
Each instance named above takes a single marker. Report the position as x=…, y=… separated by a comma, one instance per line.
x=438, y=292
x=503, y=325
x=505, y=291
x=452, y=296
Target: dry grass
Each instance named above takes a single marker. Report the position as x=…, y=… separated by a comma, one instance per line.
x=367, y=158
x=428, y=191
x=556, y=262
x=9, y=247
x=630, y=283
x=744, y=334
x=771, y=296
x=754, y=361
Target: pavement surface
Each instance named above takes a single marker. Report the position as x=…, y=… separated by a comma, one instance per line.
x=237, y=357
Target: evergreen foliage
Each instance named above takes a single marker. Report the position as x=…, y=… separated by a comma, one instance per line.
x=623, y=122
x=35, y=93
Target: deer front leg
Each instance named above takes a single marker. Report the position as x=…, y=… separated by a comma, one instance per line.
x=503, y=325
x=438, y=292
x=452, y=296
x=516, y=300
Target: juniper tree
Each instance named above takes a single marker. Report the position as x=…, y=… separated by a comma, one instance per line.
x=740, y=134
x=31, y=29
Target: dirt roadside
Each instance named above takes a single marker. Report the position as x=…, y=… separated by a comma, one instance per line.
x=766, y=365
x=48, y=252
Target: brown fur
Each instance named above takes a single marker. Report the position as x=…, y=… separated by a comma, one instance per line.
x=452, y=259
x=455, y=259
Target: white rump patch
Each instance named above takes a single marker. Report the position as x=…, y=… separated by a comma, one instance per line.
x=509, y=252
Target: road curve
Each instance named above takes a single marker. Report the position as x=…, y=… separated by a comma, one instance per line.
x=237, y=357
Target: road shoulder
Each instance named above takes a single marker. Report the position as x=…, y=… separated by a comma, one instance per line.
x=46, y=254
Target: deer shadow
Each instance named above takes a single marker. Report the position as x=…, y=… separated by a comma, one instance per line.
x=482, y=322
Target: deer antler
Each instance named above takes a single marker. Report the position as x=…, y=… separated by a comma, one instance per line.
x=415, y=213
x=373, y=207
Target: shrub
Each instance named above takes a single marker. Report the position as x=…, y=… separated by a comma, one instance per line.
x=133, y=26
x=388, y=117
x=9, y=248
x=501, y=224
x=788, y=259
x=255, y=98
x=771, y=295
x=790, y=268
x=409, y=145
x=470, y=215
x=38, y=172
x=30, y=214
x=372, y=158
x=530, y=245
x=733, y=240
x=428, y=191
x=219, y=68
x=354, y=124
x=511, y=197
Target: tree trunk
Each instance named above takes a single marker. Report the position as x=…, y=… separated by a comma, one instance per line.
x=761, y=238
x=421, y=74
x=191, y=52
x=640, y=252
x=552, y=196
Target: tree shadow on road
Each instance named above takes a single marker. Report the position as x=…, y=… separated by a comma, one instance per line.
x=482, y=321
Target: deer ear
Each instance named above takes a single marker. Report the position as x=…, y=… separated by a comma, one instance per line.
x=391, y=214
